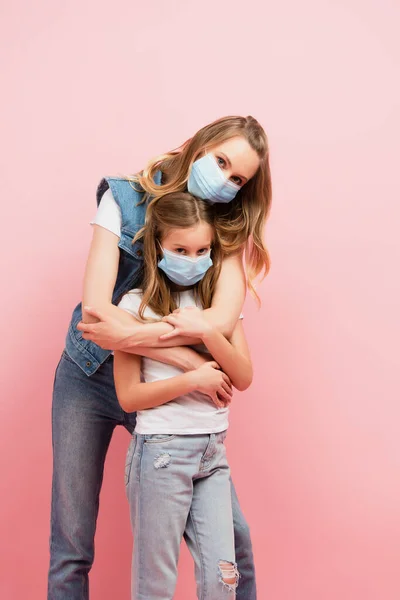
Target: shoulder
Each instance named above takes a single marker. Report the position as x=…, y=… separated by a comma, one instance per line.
x=121, y=188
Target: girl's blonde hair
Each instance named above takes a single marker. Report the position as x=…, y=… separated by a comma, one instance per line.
x=240, y=223
x=178, y=210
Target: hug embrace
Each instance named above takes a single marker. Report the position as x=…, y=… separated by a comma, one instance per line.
x=158, y=345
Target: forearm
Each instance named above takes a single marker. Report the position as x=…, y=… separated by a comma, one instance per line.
x=229, y=296
x=221, y=319
x=180, y=356
x=140, y=396
x=148, y=335
x=236, y=365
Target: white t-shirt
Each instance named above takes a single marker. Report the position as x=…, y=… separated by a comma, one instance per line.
x=193, y=413
x=108, y=214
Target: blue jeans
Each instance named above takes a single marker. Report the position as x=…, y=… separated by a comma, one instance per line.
x=85, y=413
x=179, y=486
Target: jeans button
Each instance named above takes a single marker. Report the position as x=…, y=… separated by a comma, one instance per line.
x=88, y=364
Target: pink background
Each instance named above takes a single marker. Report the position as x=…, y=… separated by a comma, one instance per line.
x=96, y=88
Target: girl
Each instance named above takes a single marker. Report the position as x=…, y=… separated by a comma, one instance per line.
x=177, y=473
x=227, y=163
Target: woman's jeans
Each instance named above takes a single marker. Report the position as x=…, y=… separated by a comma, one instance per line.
x=179, y=486
x=85, y=413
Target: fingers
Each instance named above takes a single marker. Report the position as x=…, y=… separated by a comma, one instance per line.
x=170, y=319
x=224, y=394
x=226, y=387
x=88, y=336
x=171, y=334
x=94, y=312
x=212, y=364
x=226, y=379
x=218, y=403
x=225, y=403
x=86, y=327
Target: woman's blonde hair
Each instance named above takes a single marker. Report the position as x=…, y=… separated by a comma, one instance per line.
x=178, y=210
x=240, y=223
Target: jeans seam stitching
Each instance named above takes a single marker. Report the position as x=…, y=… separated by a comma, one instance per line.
x=203, y=590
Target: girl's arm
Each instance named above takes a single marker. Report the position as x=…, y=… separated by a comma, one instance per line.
x=113, y=333
x=134, y=395
x=183, y=357
x=233, y=356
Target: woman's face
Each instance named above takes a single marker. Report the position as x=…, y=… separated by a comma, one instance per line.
x=237, y=159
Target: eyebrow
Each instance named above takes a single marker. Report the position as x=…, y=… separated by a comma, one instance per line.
x=230, y=164
x=185, y=247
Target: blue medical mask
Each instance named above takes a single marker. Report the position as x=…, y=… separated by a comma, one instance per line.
x=207, y=181
x=182, y=269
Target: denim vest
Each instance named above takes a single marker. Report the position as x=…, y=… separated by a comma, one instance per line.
x=86, y=354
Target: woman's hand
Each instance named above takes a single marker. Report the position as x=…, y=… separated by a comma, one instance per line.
x=188, y=321
x=210, y=380
x=111, y=329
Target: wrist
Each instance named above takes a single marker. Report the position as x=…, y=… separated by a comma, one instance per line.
x=191, y=377
x=194, y=361
x=207, y=332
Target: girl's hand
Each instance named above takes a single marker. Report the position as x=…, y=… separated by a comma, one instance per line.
x=187, y=321
x=210, y=380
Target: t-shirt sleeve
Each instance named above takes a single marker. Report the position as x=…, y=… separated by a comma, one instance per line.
x=131, y=302
x=108, y=214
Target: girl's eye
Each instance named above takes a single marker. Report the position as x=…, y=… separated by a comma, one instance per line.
x=202, y=251
x=180, y=250
x=236, y=180
x=221, y=162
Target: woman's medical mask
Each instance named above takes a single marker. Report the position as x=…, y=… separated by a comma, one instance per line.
x=207, y=181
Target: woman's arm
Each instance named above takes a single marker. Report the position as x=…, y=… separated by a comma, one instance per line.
x=111, y=332
x=134, y=395
x=101, y=271
x=233, y=356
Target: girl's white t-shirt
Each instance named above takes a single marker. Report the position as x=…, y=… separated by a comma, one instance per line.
x=193, y=413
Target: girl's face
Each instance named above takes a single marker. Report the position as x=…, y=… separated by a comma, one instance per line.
x=192, y=241
x=237, y=159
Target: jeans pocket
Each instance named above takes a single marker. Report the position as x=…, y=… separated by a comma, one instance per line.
x=159, y=438
x=129, y=458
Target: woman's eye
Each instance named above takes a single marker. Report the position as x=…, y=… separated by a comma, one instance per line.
x=202, y=251
x=221, y=162
x=180, y=250
x=236, y=180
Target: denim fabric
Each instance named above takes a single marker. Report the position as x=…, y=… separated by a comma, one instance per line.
x=85, y=353
x=179, y=486
x=85, y=413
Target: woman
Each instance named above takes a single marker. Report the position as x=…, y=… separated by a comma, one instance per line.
x=177, y=466
x=226, y=162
